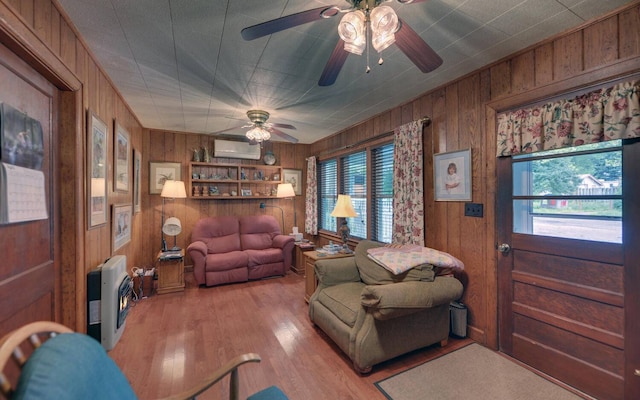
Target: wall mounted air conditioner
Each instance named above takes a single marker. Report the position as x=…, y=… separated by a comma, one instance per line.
x=231, y=149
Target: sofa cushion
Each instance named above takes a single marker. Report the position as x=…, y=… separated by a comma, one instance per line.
x=372, y=273
x=266, y=256
x=257, y=232
x=226, y=261
x=220, y=234
x=343, y=300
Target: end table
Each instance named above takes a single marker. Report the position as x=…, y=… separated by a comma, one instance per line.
x=170, y=271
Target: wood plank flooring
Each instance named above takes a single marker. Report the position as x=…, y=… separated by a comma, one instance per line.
x=173, y=341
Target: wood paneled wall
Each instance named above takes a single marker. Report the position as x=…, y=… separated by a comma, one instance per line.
x=463, y=116
x=40, y=33
x=178, y=147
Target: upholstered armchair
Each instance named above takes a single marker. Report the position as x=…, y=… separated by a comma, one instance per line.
x=373, y=315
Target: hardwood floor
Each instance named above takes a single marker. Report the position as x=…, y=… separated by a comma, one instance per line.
x=172, y=341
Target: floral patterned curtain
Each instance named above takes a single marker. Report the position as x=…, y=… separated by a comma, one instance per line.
x=408, y=203
x=598, y=116
x=311, y=202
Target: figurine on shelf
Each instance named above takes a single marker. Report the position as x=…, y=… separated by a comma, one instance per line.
x=243, y=176
x=206, y=157
x=196, y=155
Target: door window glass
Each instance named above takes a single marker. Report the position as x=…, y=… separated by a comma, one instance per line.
x=572, y=192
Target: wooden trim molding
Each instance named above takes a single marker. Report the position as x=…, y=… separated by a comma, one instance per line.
x=19, y=38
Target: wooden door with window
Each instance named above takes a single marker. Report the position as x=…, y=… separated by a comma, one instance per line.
x=29, y=271
x=562, y=272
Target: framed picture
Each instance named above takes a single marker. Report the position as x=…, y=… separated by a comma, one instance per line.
x=294, y=177
x=121, y=225
x=245, y=192
x=137, y=190
x=121, y=157
x=97, y=144
x=159, y=172
x=452, y=175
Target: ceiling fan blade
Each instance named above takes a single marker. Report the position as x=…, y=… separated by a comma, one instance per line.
x=285, y=126
x=418, y=51
x=283, y=135
x=229, y=129
x=286, y=22
x=334, y=65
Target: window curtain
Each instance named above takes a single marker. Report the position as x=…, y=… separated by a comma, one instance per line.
x=311, y=202
x=601, y=115
x=408, y=183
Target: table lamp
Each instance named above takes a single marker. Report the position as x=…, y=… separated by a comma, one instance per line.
x=174, y=190
x=344, y=209
x=172, y=227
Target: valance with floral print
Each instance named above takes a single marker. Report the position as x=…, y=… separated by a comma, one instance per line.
x=601, y=115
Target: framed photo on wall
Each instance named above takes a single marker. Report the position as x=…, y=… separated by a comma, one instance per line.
x=137, y=190
x=294, y=177
x=159, y=172
x=452, y=175
x=97, y=144
x=121, y=225
x=121, y=158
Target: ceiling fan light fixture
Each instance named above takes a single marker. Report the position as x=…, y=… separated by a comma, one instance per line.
x=384, y=24
x=352, y=31
x=258, y=134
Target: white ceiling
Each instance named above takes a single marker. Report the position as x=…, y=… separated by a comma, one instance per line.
x=182, y=65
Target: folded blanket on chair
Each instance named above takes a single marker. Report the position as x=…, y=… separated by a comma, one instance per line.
x=401, y=258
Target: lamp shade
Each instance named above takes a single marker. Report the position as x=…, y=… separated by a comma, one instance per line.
x=384, y=24
x=172, y=227
x=285, y=190
x=174, y=189
x=352, y=30
x=344, y=208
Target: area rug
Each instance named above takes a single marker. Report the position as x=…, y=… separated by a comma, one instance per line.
x=472, y=372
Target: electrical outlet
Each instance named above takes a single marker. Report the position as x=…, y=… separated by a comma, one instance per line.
x=473, y=210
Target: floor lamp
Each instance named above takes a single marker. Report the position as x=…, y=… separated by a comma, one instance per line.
x=263, y=205
x=173, y=190
x=344, y=209
x=285, y=191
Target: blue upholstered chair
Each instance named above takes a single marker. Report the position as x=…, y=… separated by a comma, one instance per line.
x=74, y=366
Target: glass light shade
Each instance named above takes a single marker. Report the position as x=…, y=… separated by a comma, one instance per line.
x=172, y=227
x=173, y=189
x=384, y=24
x=258, y=134
x=285, y=190
x=352, y=30
x=344, y=208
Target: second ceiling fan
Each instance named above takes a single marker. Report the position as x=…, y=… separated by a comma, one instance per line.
x=364, y=22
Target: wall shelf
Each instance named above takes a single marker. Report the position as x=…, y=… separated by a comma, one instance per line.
x=211, y=181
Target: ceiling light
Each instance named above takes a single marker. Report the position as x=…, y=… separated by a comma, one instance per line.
x=258, y=134
x=382, y=21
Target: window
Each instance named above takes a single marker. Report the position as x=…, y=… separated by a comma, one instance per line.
x=327, y=194
x=353, y=181
x=382, y=193
x=372, y=189
x=573, y=192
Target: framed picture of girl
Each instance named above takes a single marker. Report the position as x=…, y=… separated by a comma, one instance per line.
x=452, y=176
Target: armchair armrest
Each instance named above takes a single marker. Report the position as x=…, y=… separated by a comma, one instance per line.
x=397, y=299
x=334, y=271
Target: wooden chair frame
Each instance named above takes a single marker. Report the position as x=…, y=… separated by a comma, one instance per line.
x=10, y=348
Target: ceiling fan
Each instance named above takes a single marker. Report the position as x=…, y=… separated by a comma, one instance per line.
x=365, y=21
x=261, y=130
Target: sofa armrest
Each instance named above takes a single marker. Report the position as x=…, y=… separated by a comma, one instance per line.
x=280, y=241
x=334, y=271
x=397, y=299
x=197, y=249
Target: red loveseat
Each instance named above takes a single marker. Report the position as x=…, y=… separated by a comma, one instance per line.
x=237, y=249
